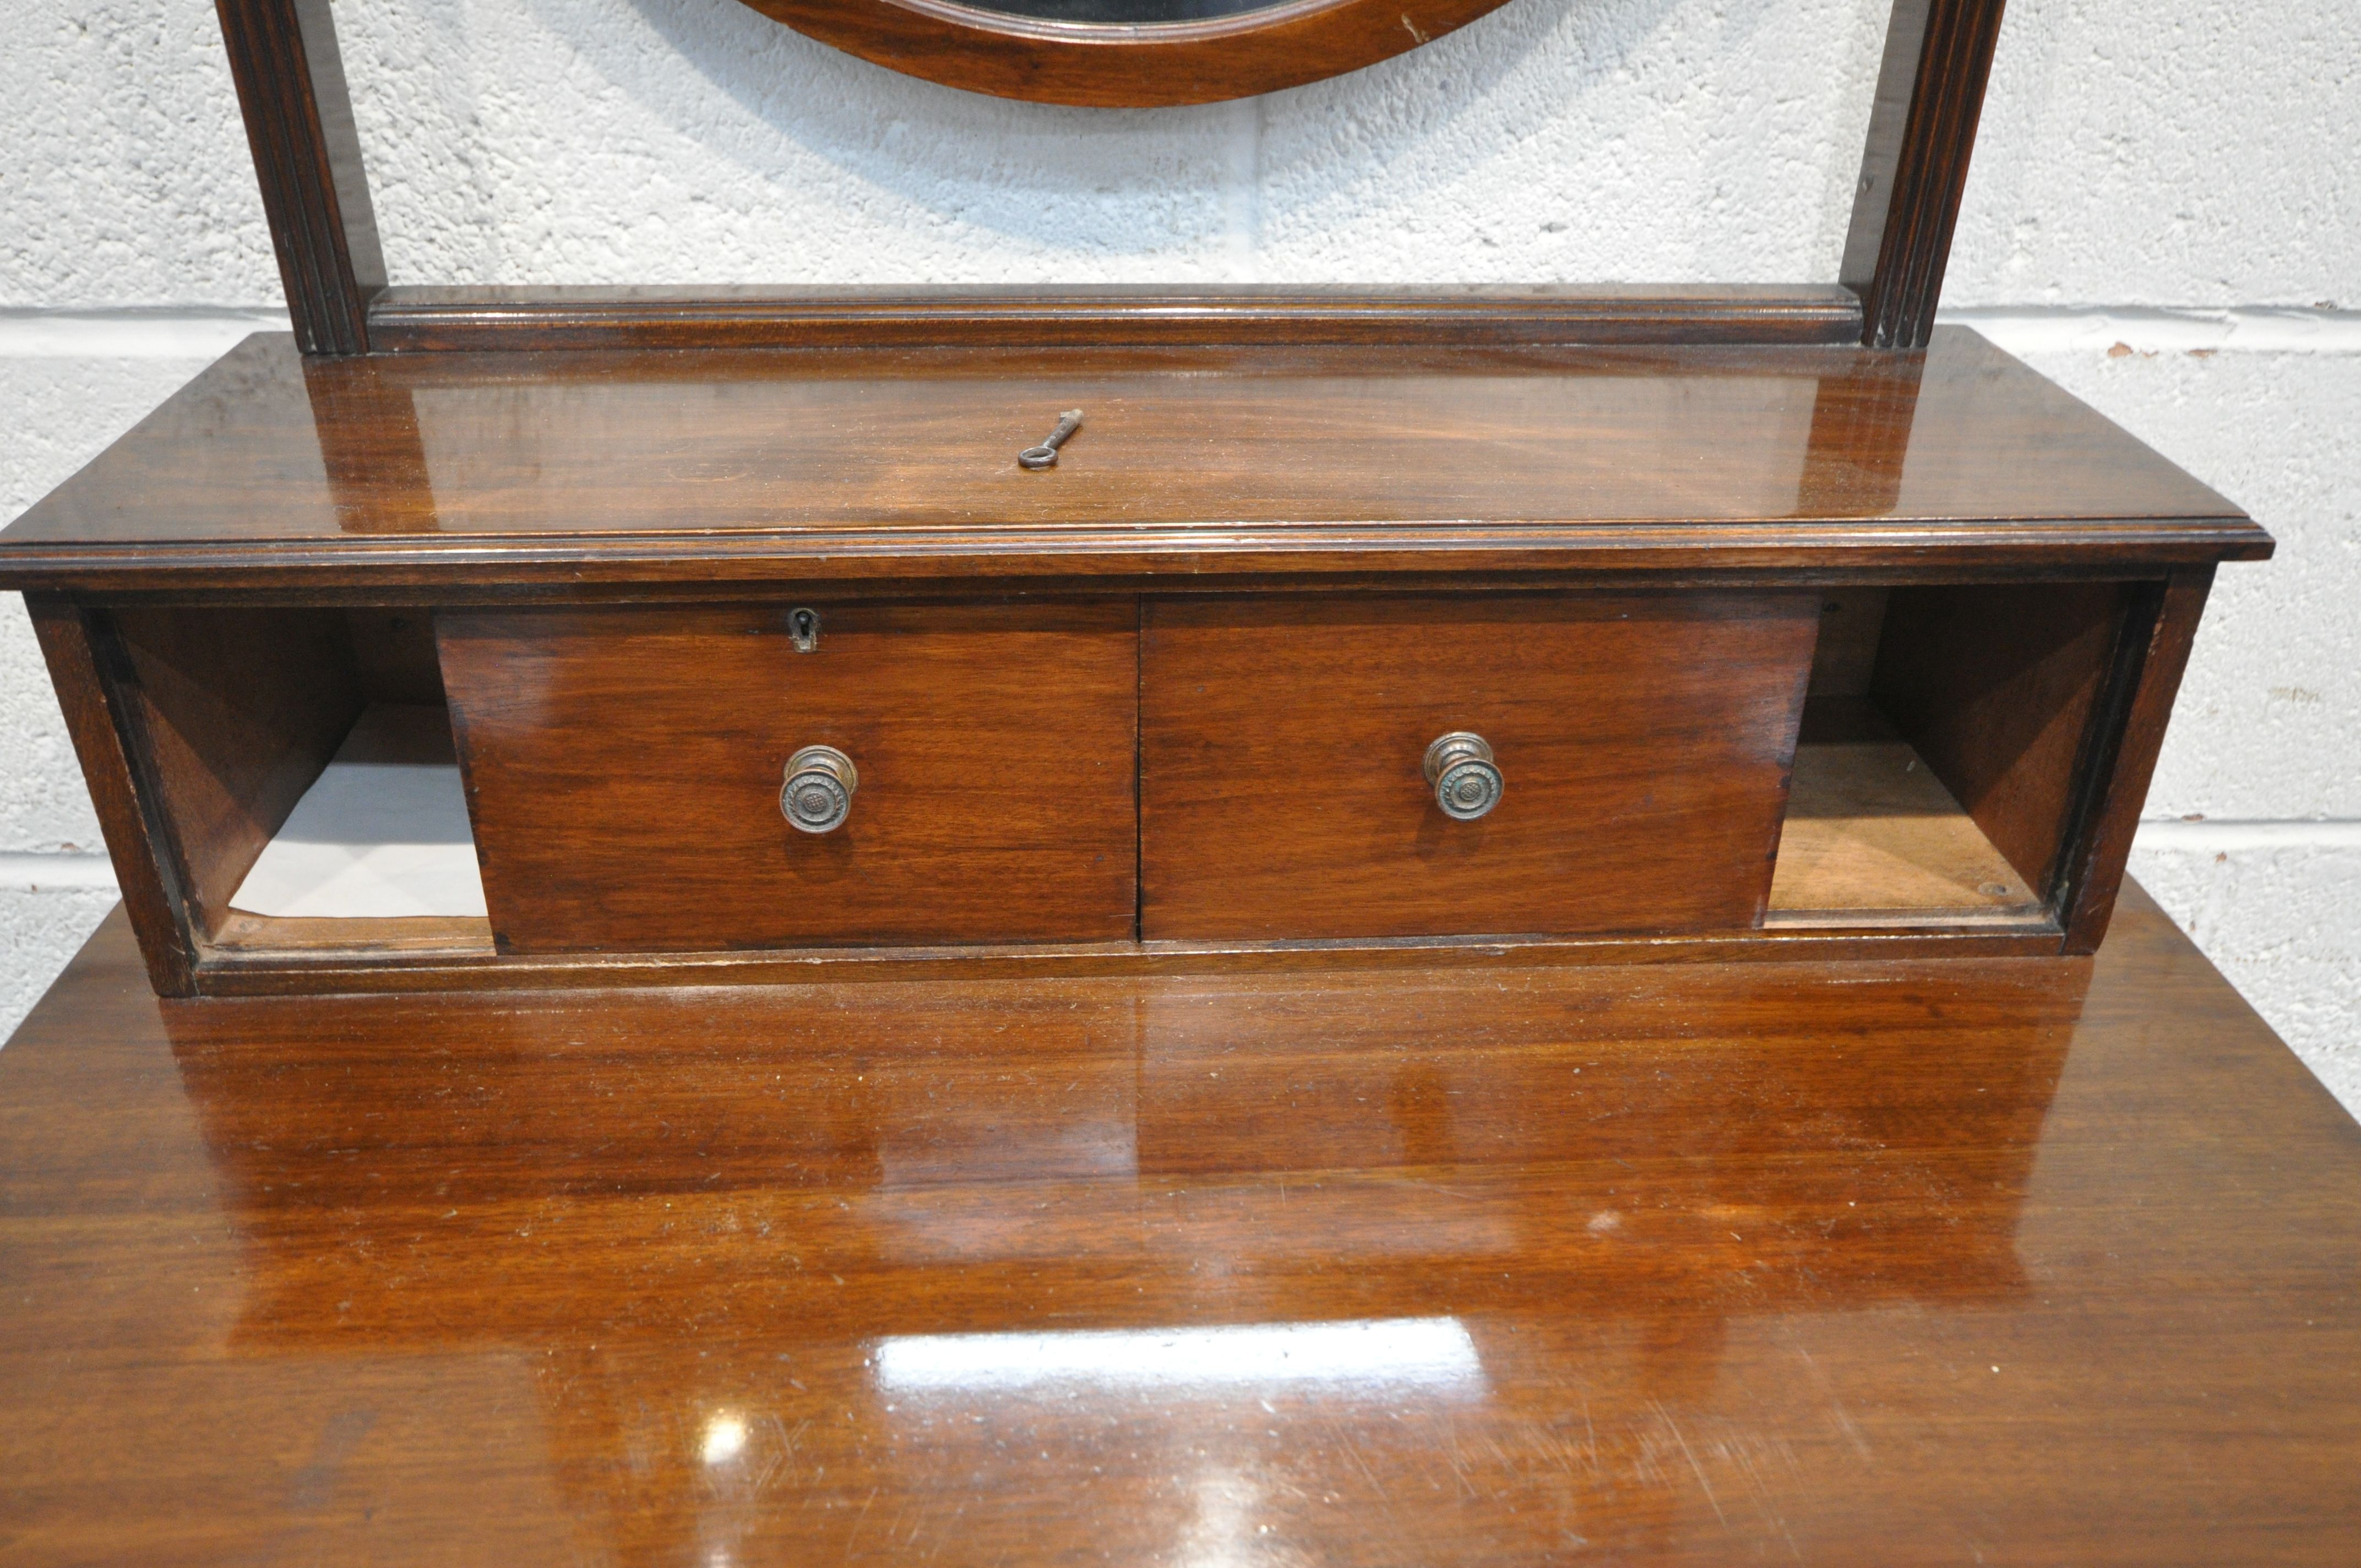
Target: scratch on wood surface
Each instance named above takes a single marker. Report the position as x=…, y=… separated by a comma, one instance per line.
x=1698, y=1470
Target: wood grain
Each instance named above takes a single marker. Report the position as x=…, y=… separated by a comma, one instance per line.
x=1735, y=1252
x=1645, y=740
x=1844, y=659
x=84, y=662
x=393, y=655
x=1922, y=131
x=1871, y=830
x=230, y=712
x=441, y=319
x=429, y=957
x=2122, y=755
x=623, y=769
x=1996, y=686
x=307, y=160
x=350, y=940
x=1263, y=49
x=233, y=713
x=592, y=472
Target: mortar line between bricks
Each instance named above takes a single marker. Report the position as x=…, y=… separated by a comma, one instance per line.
x=2151, y=329
x=2261, y=833
x=49, y=873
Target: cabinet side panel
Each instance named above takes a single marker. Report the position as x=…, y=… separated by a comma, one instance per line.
x=237, y=711
x=151, y=897
x=2125, y=768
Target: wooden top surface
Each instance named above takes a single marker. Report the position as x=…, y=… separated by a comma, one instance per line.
x=2012, y=1261
x=462, y=469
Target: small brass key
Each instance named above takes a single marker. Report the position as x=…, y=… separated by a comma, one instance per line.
x=1046, y=455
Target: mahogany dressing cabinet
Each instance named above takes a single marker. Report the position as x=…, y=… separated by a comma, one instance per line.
x=768, y=632
x=1267, y=802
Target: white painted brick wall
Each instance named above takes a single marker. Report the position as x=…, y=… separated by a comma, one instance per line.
x=2164, y=216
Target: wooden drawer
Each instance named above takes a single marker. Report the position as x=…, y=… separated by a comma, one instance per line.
x=623, y=768
x=1644, y=741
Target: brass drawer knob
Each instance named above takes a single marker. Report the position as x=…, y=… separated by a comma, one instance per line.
x=1467, y=782
x=817, y=796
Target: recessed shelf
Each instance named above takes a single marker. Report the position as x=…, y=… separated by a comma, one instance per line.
x=1874, y=837
x=376, y=858
x=381, y=834
x=356, y=937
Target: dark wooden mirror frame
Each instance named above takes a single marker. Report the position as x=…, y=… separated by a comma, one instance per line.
x=299, y=120
x=1117, y=65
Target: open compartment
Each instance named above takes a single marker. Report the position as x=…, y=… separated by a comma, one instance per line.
x=301, y=770
x=1945, y=743
x=297, y=777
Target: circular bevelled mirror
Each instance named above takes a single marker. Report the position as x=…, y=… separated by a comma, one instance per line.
x=1125, y=53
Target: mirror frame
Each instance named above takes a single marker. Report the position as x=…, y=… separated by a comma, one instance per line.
x=1125, y=65
x=307, y=164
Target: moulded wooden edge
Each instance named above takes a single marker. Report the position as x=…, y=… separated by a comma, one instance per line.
x=417, y=319
x=290, y=85
x=1914, y=167
x=1140, y=555
x=314, y=969
x=1952, y=920
x=1137, y=65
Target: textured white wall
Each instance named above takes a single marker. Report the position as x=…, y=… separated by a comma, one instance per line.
x=2163, y=216
x=693, y=140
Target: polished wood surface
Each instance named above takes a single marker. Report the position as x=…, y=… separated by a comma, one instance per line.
x=1051, y=60
x=233, y=713
x=2031, y=1262
x=623, y=767
x=256, y=957
x=350, y=937
x=414, y=318
x=575, y=470
x=1922, y=132
x=2124, y=749
x=1644, y=738
x=1870, y=830
x=79, y=647
x=625, y=782
x=290, y=74
x=1996, y=687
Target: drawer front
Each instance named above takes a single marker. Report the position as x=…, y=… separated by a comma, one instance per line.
x=1642, y=742
x=624, y=768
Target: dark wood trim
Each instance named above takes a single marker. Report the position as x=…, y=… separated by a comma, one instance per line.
x=250, y=971
x=284, y=59
x=453, y=568
x=414, y=319
x=1104, y=65
x=1922, y=130
x=2159, y=637
x=76, y=650
x=307, y=160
